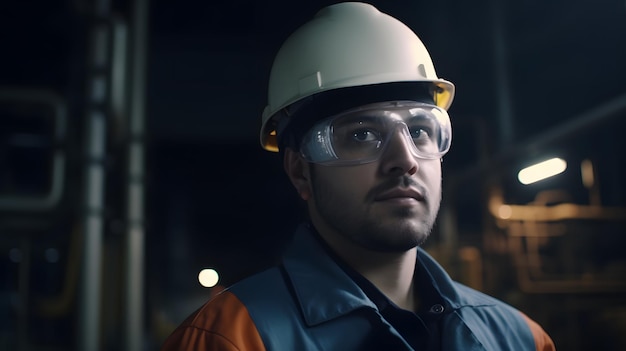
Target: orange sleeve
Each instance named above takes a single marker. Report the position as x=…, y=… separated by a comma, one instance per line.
x=543, y=342
x=222, y=324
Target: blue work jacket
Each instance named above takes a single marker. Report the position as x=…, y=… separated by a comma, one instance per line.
x=310, y=303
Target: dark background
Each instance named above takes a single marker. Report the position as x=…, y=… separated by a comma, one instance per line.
x=533, y=78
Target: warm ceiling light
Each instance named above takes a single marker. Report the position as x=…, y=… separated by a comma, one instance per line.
x=542, y=170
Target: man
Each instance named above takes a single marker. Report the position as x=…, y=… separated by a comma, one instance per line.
x=360, y=118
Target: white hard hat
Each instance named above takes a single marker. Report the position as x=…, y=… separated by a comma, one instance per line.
x=345, y=45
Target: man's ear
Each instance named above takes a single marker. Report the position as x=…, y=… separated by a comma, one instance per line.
x=298, y=171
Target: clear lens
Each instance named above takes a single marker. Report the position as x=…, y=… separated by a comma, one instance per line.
x=361, y=135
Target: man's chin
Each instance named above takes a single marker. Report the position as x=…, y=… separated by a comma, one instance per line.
x=399, y=239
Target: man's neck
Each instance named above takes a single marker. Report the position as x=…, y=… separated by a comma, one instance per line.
x=391, y=273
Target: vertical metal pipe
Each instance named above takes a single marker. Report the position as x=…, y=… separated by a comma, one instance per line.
x=135, y=243
x=89, y=335
x=23, y=293
x=98, y=79
x=503, y=98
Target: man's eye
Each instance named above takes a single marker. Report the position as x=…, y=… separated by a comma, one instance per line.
x=418, y=133
x=422, y=128
x=364, y=135
x=421, y=133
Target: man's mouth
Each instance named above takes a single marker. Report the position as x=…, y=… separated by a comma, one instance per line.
x=400, y=194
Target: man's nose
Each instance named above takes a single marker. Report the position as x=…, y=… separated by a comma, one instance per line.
x=399, y=155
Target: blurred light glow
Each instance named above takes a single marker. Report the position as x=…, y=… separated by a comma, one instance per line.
x=505, y=211
x=586, y=172
x=542, y=170
x=52, y=255
x=15, y=255
x=208, y=277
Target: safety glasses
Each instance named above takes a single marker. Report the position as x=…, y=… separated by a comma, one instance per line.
x=361, y=135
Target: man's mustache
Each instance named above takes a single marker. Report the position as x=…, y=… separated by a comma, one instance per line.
x=399, y=182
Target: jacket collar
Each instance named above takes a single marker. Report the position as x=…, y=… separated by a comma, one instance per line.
x=325, y=291
x=449, y=290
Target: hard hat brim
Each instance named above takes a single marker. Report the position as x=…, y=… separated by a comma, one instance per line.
x=442, y=93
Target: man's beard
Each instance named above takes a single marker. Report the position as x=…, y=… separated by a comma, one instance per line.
x=367, y=231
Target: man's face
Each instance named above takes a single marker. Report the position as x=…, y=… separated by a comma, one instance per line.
x=388, y=205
